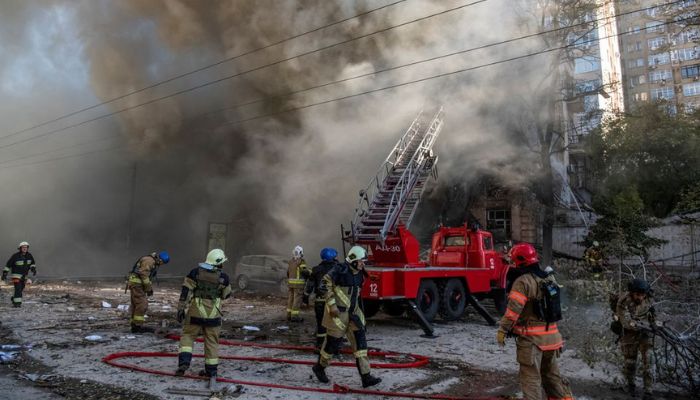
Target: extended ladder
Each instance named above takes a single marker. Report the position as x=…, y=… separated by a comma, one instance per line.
x=392, y=196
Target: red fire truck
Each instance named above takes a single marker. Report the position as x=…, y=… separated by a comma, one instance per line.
x=462, y=266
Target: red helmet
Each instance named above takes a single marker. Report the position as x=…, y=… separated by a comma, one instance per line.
x=523, y=254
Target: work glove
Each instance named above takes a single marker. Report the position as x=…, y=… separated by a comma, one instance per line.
x=335, y=313
x=501, y=337
x=149, y=293
x=33, y=269
x=305, y=299
x=180, y=315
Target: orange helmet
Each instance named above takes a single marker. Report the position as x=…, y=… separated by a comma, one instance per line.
x=523, y=254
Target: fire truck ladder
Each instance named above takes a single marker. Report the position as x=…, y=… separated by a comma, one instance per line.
x=392, y=196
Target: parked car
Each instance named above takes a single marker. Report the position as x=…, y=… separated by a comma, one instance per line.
x=265, y=270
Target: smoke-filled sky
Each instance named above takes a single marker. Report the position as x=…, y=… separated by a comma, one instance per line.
x=155, y=176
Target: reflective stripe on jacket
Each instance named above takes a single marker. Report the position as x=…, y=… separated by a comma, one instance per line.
x=520, y=317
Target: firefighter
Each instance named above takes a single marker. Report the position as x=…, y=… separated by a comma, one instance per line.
x=329, y=259
x=296, y=280
x=594, y=258
x=538, y=342
x=19, y=266
x=140, y=285
x=199, y=308
x=636, y=315
x=343, y=316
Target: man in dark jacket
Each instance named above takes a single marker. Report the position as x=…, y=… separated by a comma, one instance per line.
x=19, y=266
x=313, y=286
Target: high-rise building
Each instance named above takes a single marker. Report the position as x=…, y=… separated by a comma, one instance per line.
x=660, y=52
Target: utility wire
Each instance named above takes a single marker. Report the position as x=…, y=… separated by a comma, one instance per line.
x=258, y=68
x=225, y=60
x=414, y=63
x=432, y=77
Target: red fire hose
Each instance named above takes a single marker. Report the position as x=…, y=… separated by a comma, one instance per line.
x=418, y=361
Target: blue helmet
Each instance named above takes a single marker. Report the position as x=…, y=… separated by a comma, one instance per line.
x=164, y=256
x=329, y=254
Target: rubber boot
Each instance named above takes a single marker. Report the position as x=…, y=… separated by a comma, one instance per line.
x=17, y=305
x=320, y=373
x=369, y=380
x=297, y=318
x=181, y=369
x=135, y=329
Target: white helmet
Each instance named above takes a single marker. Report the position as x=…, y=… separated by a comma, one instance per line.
x=298, y=252
x=356, y=253
x=216, y=257
x=595, y=243
x=23, y=244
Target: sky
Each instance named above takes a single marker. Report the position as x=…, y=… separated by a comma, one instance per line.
x=93, y=191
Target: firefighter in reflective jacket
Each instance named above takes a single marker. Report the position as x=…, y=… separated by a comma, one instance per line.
x=538, y=343
x=313, y=286
x=343, y=316
x=141, y=287
x=200, y=310
x=636, y=315
x=594, y=257
x=297, y=273
x=19, y=266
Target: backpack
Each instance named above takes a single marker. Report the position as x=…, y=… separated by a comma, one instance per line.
x=548, y=307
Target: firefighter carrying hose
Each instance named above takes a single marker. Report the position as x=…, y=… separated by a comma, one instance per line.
x=343, y=316
x=636, y=314
x=140, y=285
x=329, y=259
x=531, y=315
x=200, y=309
x=19, y=266
x=296, y=274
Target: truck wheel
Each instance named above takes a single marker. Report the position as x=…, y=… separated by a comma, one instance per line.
x=499, y=300
x=454, y=300
x=393, y=308
x=370, y=307
x=428, y=299
x=242, y=282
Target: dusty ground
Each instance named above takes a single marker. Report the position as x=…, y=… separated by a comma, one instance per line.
x=58, y=361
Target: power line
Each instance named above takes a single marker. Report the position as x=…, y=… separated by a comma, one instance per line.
x=432, y=77
x=414, y=63
x=200, y=69
x=258, y=68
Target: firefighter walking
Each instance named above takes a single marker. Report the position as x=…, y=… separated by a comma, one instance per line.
x=538, y=341
x=594, y=258
x=19, y=266
x=199, y=308
x=343, y=316
x=296, y=280
x=636, y=316
x=329, y=259
x=140, y=285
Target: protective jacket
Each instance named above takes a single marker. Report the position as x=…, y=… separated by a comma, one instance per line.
x=19, y=265
x=341, y=288
x=202, y=291
x=593, y=256
x=634, y=317
x=142, y=272
x=313, y=284
x=521, y=317
x=297, y=272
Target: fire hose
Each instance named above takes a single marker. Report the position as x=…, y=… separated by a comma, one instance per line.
x=418, y=361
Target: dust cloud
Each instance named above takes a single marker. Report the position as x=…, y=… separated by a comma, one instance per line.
x=157, y=175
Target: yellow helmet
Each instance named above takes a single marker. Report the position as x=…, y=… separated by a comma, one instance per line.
x=216, y=257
